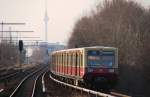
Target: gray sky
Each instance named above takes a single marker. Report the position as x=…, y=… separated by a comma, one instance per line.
x=62, y=15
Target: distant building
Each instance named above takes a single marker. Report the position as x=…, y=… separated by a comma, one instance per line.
x=45, y=50
x=52, y=46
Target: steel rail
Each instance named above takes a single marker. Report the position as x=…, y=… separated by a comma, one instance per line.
x=33, y=92
x=43, y=83
x=1, y=90
x=10, y=75
x=16, y=89
x=118, y=94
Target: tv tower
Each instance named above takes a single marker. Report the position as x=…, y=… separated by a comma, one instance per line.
x=46, y=19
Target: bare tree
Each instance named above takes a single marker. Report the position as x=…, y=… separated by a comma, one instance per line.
x=125, y=25
x=8, y=55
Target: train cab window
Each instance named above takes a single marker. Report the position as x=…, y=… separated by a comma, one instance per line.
x=101, y=58
x=108, y=59
x=93, y=58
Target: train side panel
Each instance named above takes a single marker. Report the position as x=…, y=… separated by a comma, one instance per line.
x=80, y=64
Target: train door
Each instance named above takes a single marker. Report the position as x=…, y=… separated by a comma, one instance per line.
x=74, y=64
x=81, y=65
x=63, y=64
x=71, y=63
x=59, y=63
x=56, y=63
x=67, y=62
x=78, y=64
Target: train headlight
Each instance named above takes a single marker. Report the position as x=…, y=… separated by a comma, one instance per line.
x=90, y=70
x=111, y=70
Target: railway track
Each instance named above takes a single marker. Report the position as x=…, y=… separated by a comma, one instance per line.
x=16, y=73
x=38, y=88
x=83, y=92
x=9, y=75
x=32, y=86
x=27, y=87
x=11, y=81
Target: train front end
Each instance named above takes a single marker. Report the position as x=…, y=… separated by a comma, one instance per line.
x=101, y=67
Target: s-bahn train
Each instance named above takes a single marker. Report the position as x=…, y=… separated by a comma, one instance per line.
x=90, y=66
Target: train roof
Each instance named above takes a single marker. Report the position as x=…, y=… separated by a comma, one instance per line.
x=93, y=47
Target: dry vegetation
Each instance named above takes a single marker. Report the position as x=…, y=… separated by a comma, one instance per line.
x=126, y=25
x=40, y=56
x=54, y=89
x=8, y=55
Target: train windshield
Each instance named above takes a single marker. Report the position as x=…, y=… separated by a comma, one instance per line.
x=101, y=59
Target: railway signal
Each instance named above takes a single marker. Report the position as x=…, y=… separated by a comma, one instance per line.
x=20, y=45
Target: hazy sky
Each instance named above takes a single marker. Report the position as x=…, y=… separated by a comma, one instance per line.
x=62, y=16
